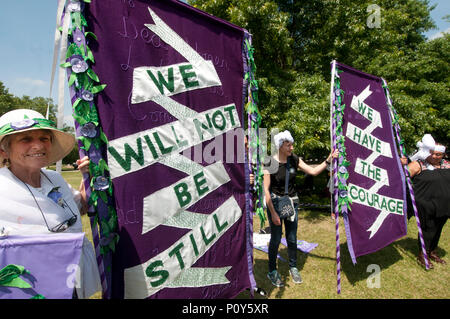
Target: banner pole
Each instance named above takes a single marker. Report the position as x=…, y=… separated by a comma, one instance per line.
x=333, y=190
x=405, y=168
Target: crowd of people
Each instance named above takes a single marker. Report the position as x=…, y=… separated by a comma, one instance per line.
x=36, y=200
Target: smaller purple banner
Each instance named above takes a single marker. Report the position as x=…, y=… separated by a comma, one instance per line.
x=376, y=183
x=51, y=262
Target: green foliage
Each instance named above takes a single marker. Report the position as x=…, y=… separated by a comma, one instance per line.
x=9, y=102
x=419, y=84
x=295, y=41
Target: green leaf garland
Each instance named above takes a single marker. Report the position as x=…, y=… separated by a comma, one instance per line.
x=254, y=142
x=84, y=80
x=344, y=200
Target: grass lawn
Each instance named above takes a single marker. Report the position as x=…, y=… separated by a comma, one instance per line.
x=400, y=276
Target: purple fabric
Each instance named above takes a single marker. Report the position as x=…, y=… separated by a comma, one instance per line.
x=302, y=245
x=50, y=259
x=124, y=43
x=266, y=250
x=361, y=217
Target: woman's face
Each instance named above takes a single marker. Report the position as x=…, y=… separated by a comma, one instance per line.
x=30, y=149
x=287, y=148
x=435, y=157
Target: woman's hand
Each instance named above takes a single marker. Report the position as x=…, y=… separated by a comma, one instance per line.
x=83, y=164
x=276, y=219
x=333, y=154
x=404, y=160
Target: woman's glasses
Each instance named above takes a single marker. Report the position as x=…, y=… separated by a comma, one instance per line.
x=61, y=226
x=64, y=225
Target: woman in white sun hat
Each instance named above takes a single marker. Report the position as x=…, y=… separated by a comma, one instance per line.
x=28, y=191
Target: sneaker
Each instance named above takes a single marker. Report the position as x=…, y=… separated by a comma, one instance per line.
x=295, y=274
x=275, y=278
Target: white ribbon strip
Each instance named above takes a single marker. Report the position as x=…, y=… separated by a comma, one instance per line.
x=57, y=44
x=209, y=277
x=165, y=269
x=155, y=144
x=165, y=203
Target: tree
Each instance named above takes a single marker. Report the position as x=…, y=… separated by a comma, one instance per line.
x=419, y=81
x=295, y=41
x=9, y=102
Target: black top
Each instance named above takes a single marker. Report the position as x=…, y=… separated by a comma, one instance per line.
x=432, y=192
x=277, y=178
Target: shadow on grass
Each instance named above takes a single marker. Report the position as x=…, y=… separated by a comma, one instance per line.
x=409, y=245
x=412, y=246
x=312, y=215
x=384, y=258
x=260, y=271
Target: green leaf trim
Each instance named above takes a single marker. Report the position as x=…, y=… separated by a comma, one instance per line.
x=85, y=112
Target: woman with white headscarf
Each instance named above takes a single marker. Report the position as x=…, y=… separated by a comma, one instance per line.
x=37, y=201
x=430, y=174
x=274, y=188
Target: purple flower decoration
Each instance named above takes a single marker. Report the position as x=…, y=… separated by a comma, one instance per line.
x=101, y=183
x=343, y=193
x=253, y=117
x=87, y=95
x=89, y=130
x=56, y=196
x=342, y=170
x=104, y=241
x=337, y=92
x=342, y=180
x=78, y=64
x=21, y=125
x=74, y=6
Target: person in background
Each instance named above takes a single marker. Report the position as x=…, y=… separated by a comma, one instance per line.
x=274, y=187
x=38, y=201
x=430, y=174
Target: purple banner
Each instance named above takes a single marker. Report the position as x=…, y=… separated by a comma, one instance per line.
x=375, y=180
x=172, y=111
x=51, y=262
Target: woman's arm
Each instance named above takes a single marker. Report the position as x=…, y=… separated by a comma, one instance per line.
x=275, y=218
x=314, y=171
x=414, y=168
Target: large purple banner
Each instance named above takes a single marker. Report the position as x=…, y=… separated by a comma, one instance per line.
x=369, y=165
x=172, y=111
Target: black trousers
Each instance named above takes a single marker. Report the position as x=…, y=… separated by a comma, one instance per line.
x=432, y=230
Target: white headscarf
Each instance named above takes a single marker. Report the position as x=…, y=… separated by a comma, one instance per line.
x=425, y=146
x=439, y=148
x=281, y=137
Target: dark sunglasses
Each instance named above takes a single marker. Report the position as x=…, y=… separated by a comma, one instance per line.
x=64, y=225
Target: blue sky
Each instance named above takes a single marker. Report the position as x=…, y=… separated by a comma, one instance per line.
x=26, y=45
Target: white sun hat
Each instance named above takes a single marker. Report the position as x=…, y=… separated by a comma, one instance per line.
x=21, y=120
